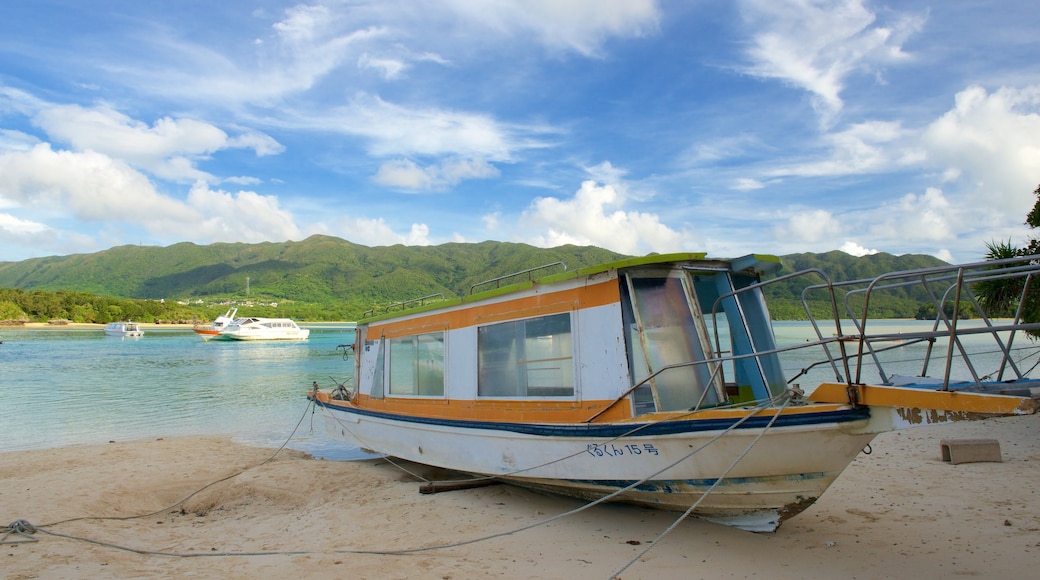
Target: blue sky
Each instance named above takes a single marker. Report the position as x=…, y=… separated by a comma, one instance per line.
x=640, y=126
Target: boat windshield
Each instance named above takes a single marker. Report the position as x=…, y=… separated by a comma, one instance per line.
x=662, y=319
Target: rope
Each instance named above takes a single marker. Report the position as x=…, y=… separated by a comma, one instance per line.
x=603, y=499
x=617, y=575
x=23, y=527
x=20, y=527
x=762, y=404
x=185, y=498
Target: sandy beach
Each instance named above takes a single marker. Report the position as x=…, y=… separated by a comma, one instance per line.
x=899, y=512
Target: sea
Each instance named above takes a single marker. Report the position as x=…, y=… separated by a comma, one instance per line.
x=61, y=387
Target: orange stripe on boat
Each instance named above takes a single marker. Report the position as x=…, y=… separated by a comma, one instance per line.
x=882, y=396
x=541, y=411
x=537, y=305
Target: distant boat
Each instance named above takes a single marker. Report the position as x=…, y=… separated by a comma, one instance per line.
x=658, y=381
x=124, y=329
x=219, y=323
x=263, y=329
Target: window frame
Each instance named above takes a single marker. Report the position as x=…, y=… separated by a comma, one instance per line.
x=517, y=369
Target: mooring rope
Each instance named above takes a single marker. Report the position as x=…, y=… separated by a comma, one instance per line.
x=20, y=527
x=762, y=404
x=617, y=575
x=787, y=394
x=24, y=528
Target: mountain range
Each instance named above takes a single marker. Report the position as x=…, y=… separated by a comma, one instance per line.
x=329, y=270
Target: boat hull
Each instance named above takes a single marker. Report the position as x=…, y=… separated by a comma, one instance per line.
x=252, y=337
x=670, y=467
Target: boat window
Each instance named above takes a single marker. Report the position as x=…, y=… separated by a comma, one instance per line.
x=417, y=365
x=659, y=313
x=377, y=376
x=526, y=358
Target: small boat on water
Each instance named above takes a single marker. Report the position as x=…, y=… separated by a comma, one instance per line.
x=254, y=328
x=659, y=381
x=124, y=329
x=219, y=323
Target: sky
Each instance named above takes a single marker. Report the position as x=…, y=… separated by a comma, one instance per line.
x=729, y=127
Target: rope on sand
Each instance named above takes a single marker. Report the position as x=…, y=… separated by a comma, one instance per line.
x=24, y=528
x=20, y=527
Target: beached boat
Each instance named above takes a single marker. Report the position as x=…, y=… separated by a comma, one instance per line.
x=254, y=328
x=125, y=329
x=219, y=323
x=658, y=381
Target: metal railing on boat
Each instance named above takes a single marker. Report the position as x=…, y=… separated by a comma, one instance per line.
x=528, y=272
x=958, y=293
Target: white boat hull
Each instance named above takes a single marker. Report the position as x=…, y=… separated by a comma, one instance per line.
x=293, y=336
x=783, y=473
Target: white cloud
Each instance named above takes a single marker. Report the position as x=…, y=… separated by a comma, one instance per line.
x=397, y=130
x=168, y=149
x=929, y=217
x=854, y=249
x=11, y=224
x=492, y=221
x=593, y=217
x=93, y=187
x=990, y=143
x=89, y=186
x=376, y=232
x=16, y=140
x=809, y=227
x=578, y=25
x=815, y=45
x=868, y=147
x=241, y=217
x=389, y=68
x=747, y=184
x=406, y=174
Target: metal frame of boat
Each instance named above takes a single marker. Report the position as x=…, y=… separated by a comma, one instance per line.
x=255, y=328
x=124, y=329
x=658, y=381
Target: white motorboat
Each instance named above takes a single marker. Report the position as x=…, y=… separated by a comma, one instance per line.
x=124, y=329
x=219, y=323
x=254, y=328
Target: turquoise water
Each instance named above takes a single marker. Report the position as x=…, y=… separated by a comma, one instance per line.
x=66, y=387
x=76, y=386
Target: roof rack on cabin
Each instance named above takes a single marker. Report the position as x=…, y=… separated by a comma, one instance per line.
x=529, y=272
x=406, y=304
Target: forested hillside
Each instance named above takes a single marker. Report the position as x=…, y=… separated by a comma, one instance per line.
x=321, y=277
x=328, y=278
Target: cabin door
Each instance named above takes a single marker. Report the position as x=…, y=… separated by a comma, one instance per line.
x=665, y=328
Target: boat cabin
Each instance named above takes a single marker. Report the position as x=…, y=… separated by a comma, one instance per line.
x=610, y=342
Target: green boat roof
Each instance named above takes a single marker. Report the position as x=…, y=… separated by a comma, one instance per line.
x=752, y=263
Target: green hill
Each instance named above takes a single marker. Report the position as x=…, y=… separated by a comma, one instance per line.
x=339, y=279
x=320, y=270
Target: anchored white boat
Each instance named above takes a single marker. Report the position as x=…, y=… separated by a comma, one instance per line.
x=124, y=329
x=219, y=323
x=254, y=328
x=658, y=381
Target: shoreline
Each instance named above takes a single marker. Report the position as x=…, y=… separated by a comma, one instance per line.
x=144, y=325
x=898, y=512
